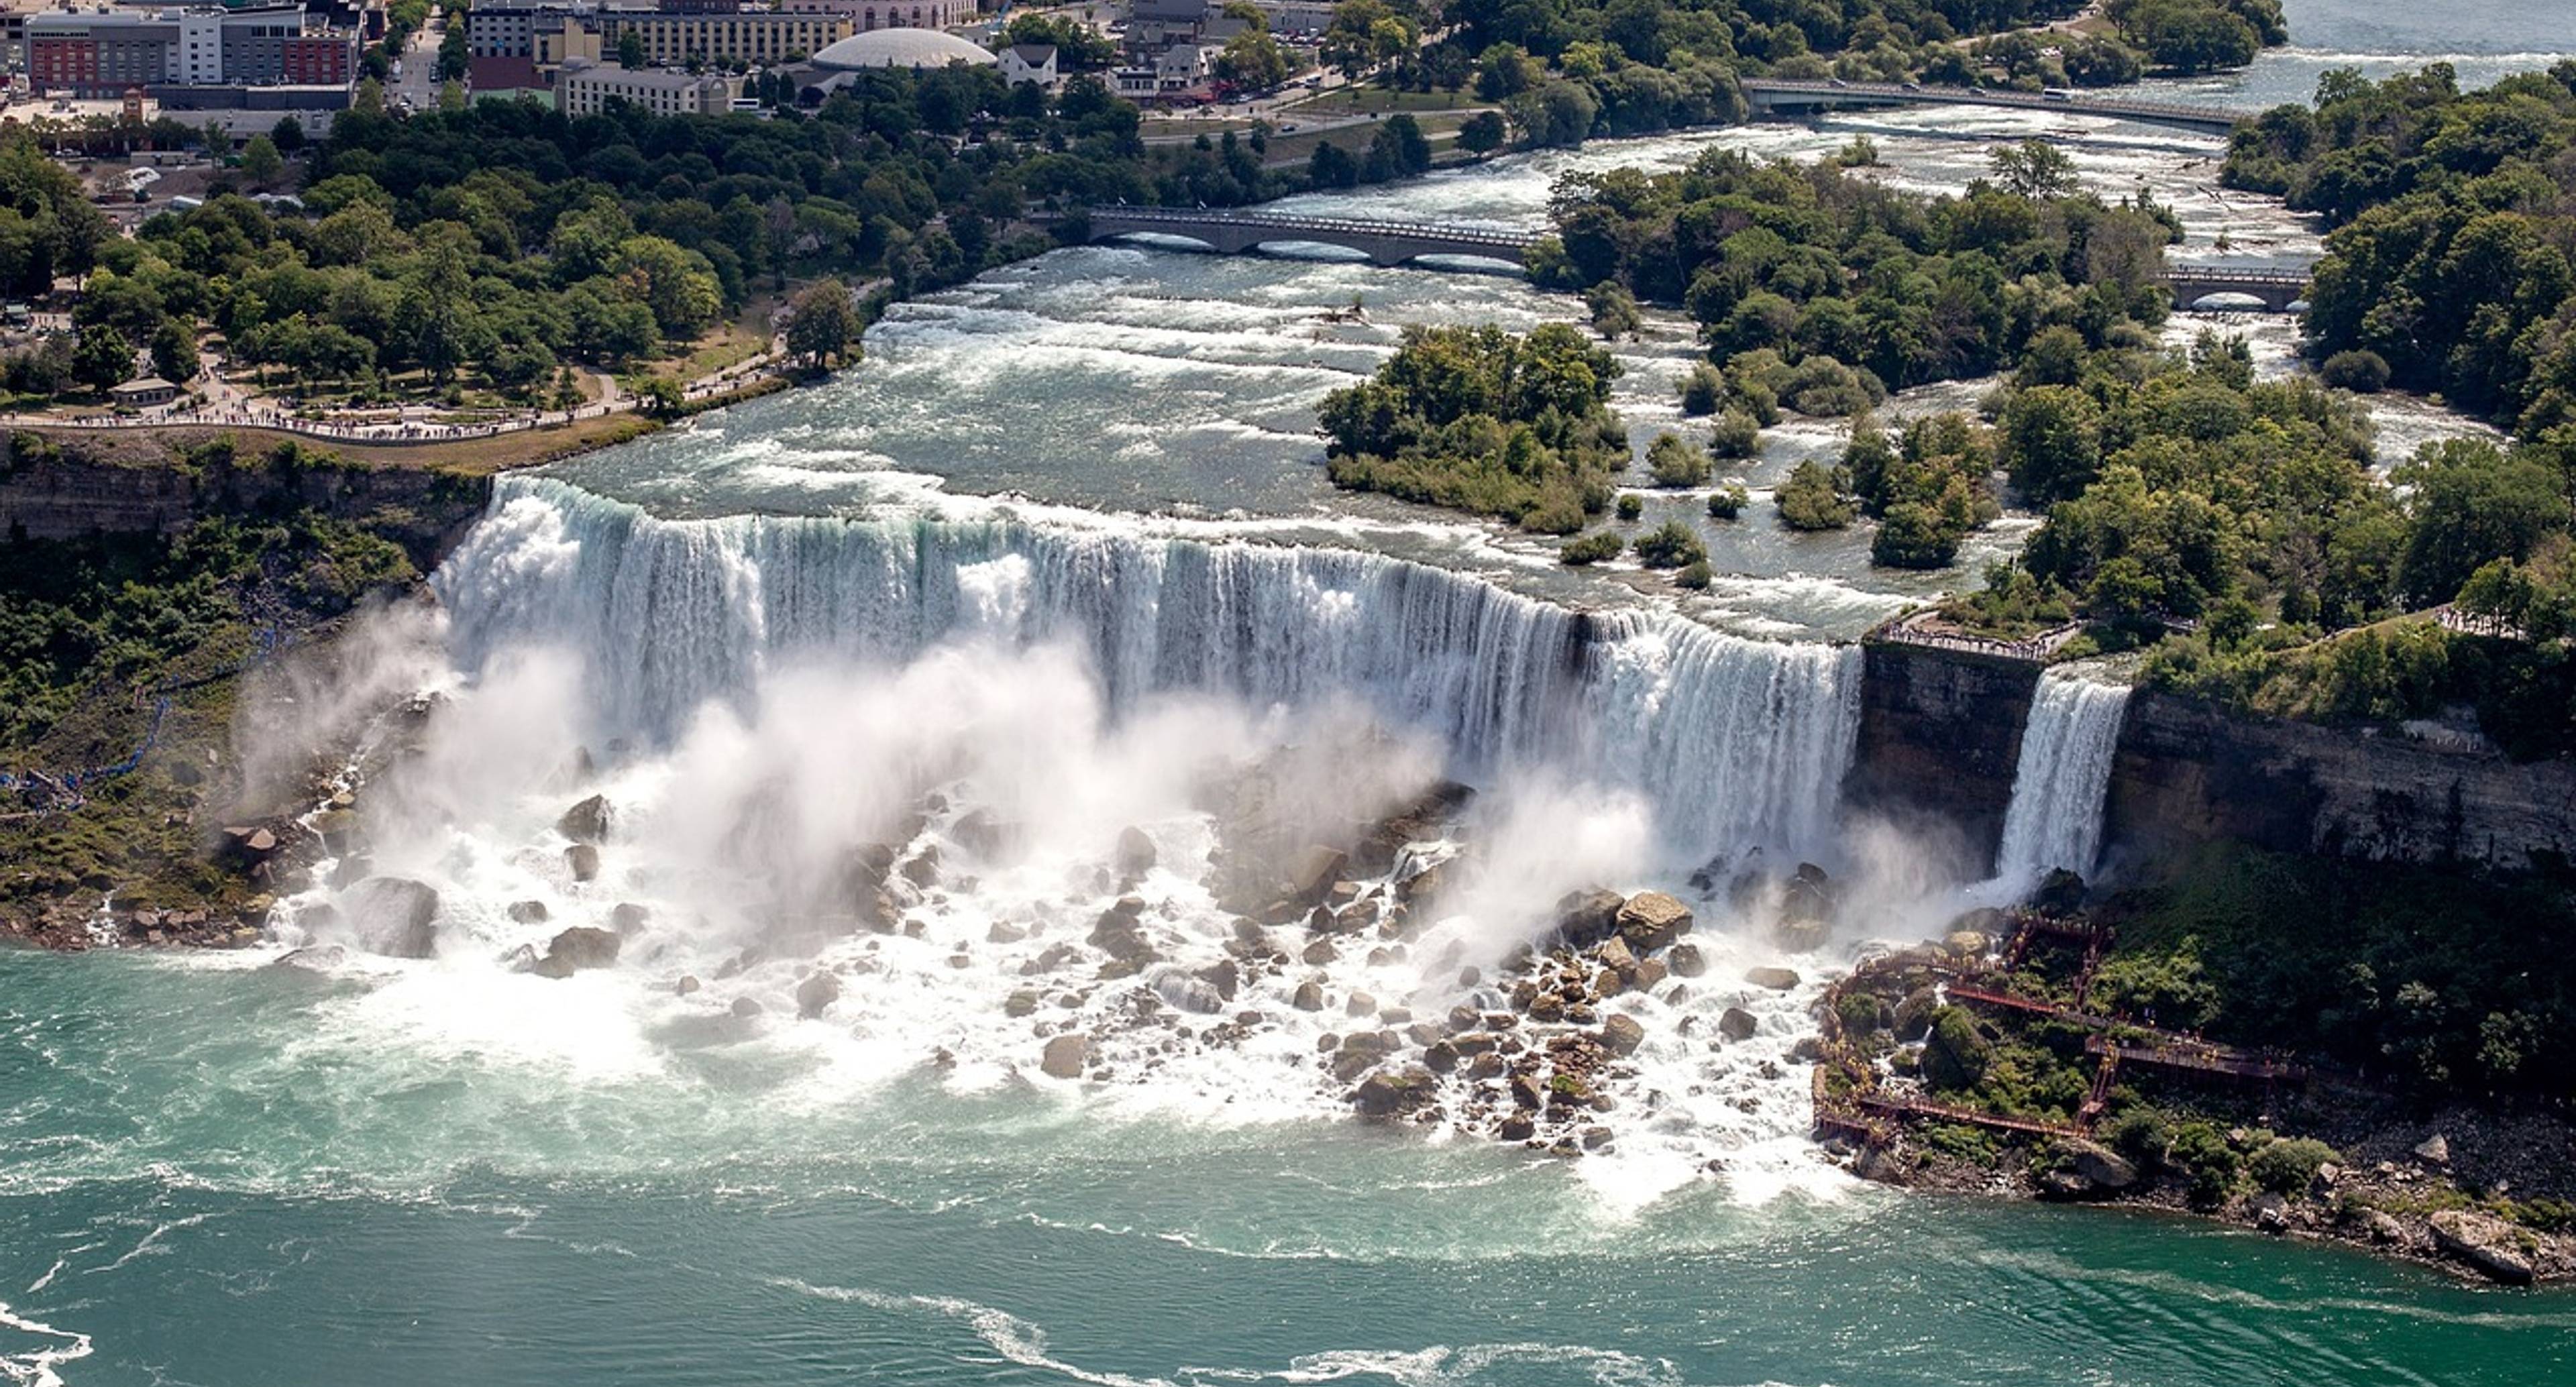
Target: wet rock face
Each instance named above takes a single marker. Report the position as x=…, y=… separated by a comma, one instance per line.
x=1065, y=1055
x=817, y=993
x=1586, y=918
x=582, y=860
x=1388, y=1094
x=586, y=822
x=1135, y=855
x=1651, y=920
x=2485, y=1242
x=575, y=949
x=393, y=916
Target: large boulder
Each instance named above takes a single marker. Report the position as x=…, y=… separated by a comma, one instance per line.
x=1390, y=1093
x=2100, y=1166
x=1777, y=979
x=393, y=916
x=575, y=949
x=1652, y=920
x=586, y=822
x=582, y=860
x=2061, y=893
x=1065, y=1055
x=1735, y=1023
x=1135, y=855
x=1621, y=1035
x=1686, y=961
x=1314, y=875
x=818, y=992
x=2485, y=1242
x=1807, y=907
x=1584, y=918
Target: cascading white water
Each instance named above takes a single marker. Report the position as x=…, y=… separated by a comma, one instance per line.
x=2055, y=816
x=1733, y=743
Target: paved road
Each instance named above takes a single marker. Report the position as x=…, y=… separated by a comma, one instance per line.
x=419, y=79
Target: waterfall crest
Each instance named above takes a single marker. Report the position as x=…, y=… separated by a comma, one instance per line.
x=1732, y=742
x=2055, y=816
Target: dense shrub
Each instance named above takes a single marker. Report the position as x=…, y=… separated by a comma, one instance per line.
x=1596, y=547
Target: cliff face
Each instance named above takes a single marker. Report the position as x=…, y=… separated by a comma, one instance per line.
x=50, y=493
x=2189, y=772
x=1940, y=737
x=1940, y=741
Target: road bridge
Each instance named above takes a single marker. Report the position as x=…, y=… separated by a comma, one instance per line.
x=1778, y=96
x=1384, y=242
x=2278, y=289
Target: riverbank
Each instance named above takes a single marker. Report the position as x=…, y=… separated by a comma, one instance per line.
x=2017, y=1058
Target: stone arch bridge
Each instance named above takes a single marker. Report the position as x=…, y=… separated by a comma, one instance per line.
x=1390, y=242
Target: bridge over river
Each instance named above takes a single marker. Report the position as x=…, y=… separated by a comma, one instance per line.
x=1792, y=97
x=1391, y=242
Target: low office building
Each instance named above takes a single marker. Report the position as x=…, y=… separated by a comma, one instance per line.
x=759, y=40
x=102, y=54
x=586, y=88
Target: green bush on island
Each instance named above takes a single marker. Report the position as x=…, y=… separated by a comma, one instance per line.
x=1695, y=576
x=1597, y=547
x=1631, y=505
x=2361, y=371
x=1673, y=462
x=1703, y=390
x=1670, y=545
x=1735, y=436
x=1477, y=419
x=1813, y=499
x=1728, y=501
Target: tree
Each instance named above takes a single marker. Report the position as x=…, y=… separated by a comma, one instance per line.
x=824, y=324
x=260, y=161
x=2033, y=169
x=1483, y=133
x=1363, y=34
x=1673, y=462
x=662, y=396
x=455, y=54
x=103, y=358
x=174, y=352
x=678, y=285
x=1811, y=500
x=1614, y=310
x=630, y=49
x=1252, y=59
x=1670, y=545
x=2470, y=502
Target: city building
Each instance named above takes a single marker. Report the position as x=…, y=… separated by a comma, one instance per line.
x=760, y=40
x=919, y=49
x=103, y=54
x=586, y=88
x=887, y=14
x=1029, y=62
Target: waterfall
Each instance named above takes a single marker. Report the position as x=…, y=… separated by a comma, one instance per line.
x=2055, y=818
x=1731, y=742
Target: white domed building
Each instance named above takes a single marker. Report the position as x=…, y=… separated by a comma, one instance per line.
x=918, y=49
x=922, y=50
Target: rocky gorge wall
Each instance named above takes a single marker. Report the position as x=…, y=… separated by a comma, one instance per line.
x=57, y=490
x=1940, y=738
x=1939, y=745
x=2189, y=771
